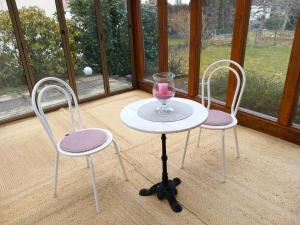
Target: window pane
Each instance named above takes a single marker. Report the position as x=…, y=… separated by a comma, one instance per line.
x=216, y=37
x=270, y=37
x=42, y=38
x=150, y=34
x=297, y=113
x=117, y=43
x=83, y=38
x=41, y=31
x=178, y=41
x=14, y=94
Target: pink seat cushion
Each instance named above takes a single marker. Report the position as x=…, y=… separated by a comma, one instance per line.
x=83, y=140
x=218, y=118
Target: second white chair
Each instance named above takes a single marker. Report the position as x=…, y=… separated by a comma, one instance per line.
x=219, y=120
x=81, y=142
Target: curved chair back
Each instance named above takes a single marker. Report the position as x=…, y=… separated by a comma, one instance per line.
x=240, y=85
x=66, y=90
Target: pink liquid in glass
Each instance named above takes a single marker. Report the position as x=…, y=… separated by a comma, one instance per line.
x=163, y=91
x=163, y=88
x=164, y=96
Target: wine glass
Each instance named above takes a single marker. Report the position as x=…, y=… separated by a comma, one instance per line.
x=163, y=90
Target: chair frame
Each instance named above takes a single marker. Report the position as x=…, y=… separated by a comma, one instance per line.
x=69, y=96
x=240, y=86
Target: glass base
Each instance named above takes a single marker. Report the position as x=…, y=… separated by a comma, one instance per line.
x=164, y=110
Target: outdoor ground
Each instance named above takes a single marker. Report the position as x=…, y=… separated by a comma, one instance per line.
x=262, y=186
x=265, y=65
x=265, y=58
x=18, y=102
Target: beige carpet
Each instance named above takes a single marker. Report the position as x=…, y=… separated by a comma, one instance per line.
x=263, y=186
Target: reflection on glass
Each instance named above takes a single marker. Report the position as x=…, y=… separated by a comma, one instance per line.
x=270, y=38
x=150, y=35
x=178, y=41
x=42, y=38
x=117, y=43
x=216, y=37
x=83, y=39
x=14, y=95
x=41, y=31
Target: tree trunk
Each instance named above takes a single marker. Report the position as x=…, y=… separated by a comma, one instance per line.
x=261, y=24
x=286, y=19
x=255, y=39
x=275, y=37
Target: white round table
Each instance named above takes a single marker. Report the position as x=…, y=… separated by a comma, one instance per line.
x=129, y=116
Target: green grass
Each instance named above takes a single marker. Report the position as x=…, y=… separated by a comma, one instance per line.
x=175, y=41
x=266, y=59
x=213, y=53
x=265, y=65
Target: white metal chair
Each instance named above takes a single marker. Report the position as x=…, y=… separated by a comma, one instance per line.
x=81, y=142
x=219, y=120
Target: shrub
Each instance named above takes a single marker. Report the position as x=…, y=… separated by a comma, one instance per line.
x=262, y=94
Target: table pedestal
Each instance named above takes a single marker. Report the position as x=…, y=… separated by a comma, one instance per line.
x=166, y=188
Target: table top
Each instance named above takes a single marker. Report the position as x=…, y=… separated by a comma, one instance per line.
x=129, y=116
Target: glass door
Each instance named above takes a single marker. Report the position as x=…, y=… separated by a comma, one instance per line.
x=14, y=94
x=82, y=28
x=117, y=43
x=41, y=31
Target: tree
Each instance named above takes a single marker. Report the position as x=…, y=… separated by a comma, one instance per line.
x=216, y=19
x=283, y=12
x=287, y=10
x=179, y=29
x=116, y=35
x=85, y=48
x=179, y=21
x=43, y=44
x=274, y=23
x=11, y=73
x=150, y=34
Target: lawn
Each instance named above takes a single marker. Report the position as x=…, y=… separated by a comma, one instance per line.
x=267, y=59
x=265, y=65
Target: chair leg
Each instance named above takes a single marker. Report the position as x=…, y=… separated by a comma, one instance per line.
x=91, y=167
x=199, y=137
x=185, y=148
x=236, y=143
x=120, y=159
x=56, y=173
x=223, y=156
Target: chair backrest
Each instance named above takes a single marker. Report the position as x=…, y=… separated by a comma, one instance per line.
x=240, y=84
x=66, y=90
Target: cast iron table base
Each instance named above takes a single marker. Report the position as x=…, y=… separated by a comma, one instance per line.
x=166, y=188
